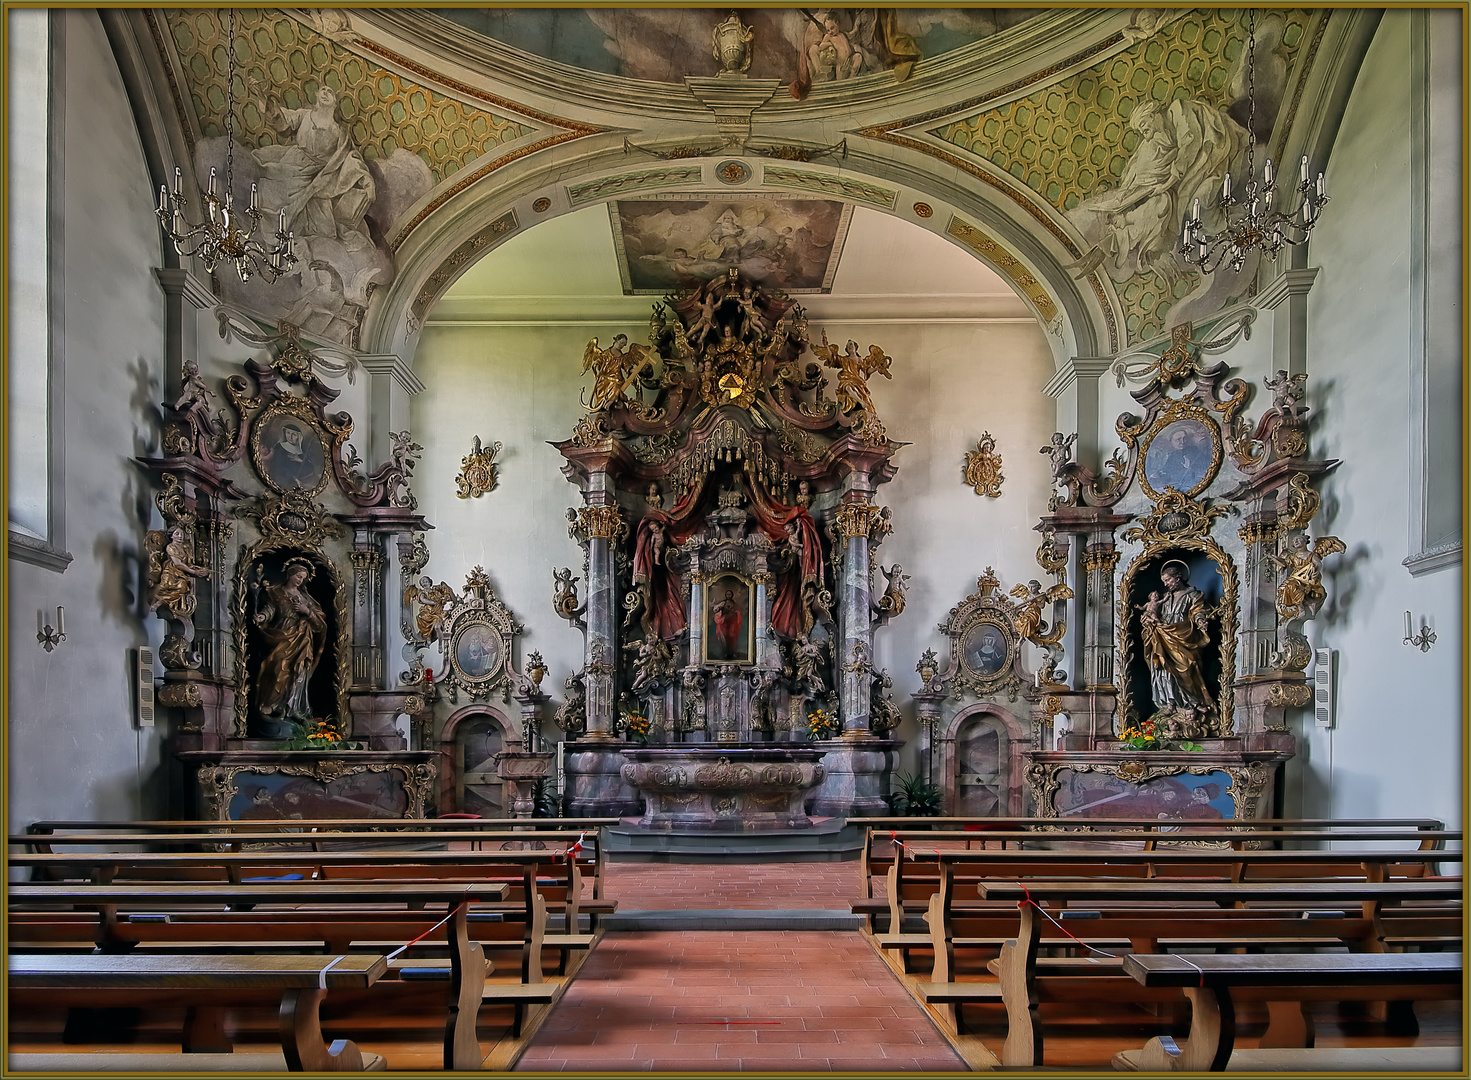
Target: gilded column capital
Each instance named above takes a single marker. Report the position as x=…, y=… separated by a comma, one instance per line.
x=851, y=520
x=1105, y=560
x=601, y=522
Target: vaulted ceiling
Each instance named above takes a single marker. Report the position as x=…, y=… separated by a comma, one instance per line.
x=990, y=131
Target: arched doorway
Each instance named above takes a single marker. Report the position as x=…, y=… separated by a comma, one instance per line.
x=984, y=774
x=470, y=743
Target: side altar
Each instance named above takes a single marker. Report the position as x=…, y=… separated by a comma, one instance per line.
x=1155, y=681
x=275, y=679
x=729, y=528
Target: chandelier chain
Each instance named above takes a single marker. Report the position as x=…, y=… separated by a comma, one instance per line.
x=1249, y=224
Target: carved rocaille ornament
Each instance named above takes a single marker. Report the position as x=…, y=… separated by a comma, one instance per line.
x=985, y=642
x=983, y=468
x=478, y=470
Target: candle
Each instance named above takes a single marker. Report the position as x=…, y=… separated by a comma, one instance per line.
x=1320, y=185
x=1195, y=211
x=1267, y=172
x=1037, y=679
x=212, y=180
x=1407, y=626
x=178, y=180
x=163, y=198
x=61, y=621
x=41, y=622
x=281, y=224
x=1304, y=168
x=1225, y=188
x=253, y=202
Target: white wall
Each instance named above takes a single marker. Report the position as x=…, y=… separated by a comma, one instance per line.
x=72, y=748
x=1397, y=746
x=519, y=386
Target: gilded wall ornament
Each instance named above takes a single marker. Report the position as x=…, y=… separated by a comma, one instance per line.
x=478, y=470
x=983, y=468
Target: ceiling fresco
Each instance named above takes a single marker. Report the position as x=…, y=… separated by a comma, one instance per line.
x=784, y=243
x=1102, y=129
x=800, y=46
x=1073, y=143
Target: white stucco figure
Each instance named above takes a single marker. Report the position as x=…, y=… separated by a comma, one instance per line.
x=319, y=180
x=1184, y=151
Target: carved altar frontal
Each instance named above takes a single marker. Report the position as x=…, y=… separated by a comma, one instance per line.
x=734, y=788
x=239, y=785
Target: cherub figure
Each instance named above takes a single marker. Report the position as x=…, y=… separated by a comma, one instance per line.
x=1060, y=450
x=564, y=595
x=891, y=603
x=432, y=599
x=704, y=322
x=1301, y=592
x=171, y=570
x=1287, y=390
x=752, y=320
x=653, y=661
x=193, y=391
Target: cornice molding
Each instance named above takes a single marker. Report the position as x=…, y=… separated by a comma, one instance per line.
x=1075, y=369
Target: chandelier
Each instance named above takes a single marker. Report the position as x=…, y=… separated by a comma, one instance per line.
x=1250, y=221
x=225, y=234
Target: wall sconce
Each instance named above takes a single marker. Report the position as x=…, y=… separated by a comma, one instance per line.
x=1424, y=640
x=48, y=637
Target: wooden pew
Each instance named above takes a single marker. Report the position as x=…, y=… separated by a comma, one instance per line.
x=583, y=846
x=1145, y=834
x=297, y=983
x=944, y=872
x=1204, y=914
x=399, y=908
x=1211, y=983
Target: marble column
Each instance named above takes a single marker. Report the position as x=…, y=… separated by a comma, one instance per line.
x=857, y=522
x=602, y=524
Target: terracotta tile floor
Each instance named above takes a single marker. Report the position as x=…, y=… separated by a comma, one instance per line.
x=751, y=886
x=677, y=1001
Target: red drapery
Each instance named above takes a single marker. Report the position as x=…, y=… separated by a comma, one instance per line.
x=687, y=517
x=666, y=608
x=788, y=614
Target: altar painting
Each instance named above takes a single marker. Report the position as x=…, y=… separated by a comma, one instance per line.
x=728, y=620
x=1185, y=797
x=787, y=244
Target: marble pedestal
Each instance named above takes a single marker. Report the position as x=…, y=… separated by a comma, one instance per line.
x=856, y=777
x=593, y=780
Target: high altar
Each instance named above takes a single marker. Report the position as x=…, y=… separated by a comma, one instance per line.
x=728, y=524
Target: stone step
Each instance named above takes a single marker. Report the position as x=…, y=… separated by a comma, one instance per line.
x=827, y=839
x=733, y=919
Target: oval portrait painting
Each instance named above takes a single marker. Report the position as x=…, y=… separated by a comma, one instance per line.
x=985, y=650
x=478, y=651
x=290, y=455
x=1180, y=456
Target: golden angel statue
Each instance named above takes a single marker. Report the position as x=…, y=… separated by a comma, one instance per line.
x=614, y=369
x=854, y=371
x=1029, y=623
x=431, y=599
x=1301, y=592
x=171, y=571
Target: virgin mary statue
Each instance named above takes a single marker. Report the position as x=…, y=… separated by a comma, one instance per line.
x=295, y=633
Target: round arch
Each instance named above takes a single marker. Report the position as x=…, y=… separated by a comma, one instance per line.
x=1026, y=246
